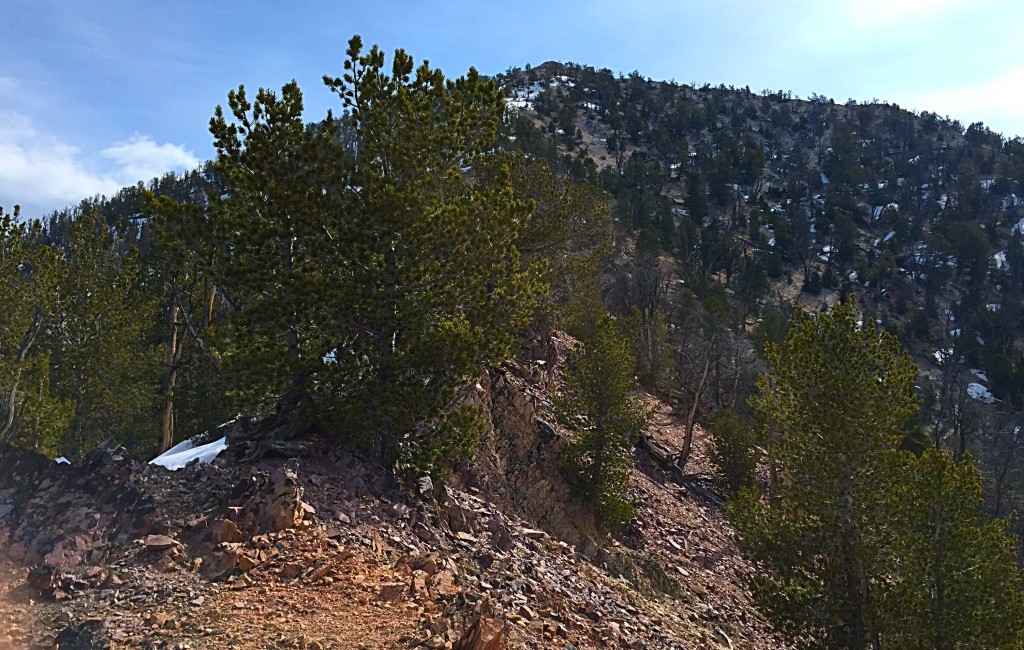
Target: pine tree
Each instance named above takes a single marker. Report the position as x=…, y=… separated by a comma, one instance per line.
x=946, y=577
x=369, y=275
x=30, y=273
x=734, y=452
x=835, y=403
x=607, y=420
x=103, y=357
x=862, y=544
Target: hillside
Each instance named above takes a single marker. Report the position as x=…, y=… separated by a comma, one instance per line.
x=329, y=553
x=768, y=201
x=524, y=362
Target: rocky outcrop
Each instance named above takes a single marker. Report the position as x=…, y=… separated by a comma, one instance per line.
x=519, y=459
x=65, y=515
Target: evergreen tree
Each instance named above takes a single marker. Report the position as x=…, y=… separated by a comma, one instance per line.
x=370, y=276
x=863, y=544
x=834, y=403
x=734, y=452
x=946, y=578
x=104, y=359
x=607, y=420
x=30, y=273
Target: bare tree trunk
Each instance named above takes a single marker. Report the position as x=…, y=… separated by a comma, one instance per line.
x=1008, y=457
x=172, y=362
x=691, y=416
x=19, y=361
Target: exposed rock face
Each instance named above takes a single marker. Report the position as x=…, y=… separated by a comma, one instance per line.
x=519, y=459
x=484, y=634
x=64, y=515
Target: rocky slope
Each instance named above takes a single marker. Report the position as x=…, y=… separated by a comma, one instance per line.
x=328, y=552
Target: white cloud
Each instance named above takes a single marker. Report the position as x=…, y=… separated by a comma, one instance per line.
x=996, y=101
x=42, y=173
x=141, y=159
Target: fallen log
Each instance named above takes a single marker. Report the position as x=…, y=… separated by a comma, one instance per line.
x=666, y=460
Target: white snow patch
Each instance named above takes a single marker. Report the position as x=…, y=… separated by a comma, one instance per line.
x=771, y=242
x=980, y=374
x=1018, y=227
x=980, y=393
x=824, y=179
x=993, y=306
x=1000, y=257
x=852, y=276
x=62, y=461
x=185, y=452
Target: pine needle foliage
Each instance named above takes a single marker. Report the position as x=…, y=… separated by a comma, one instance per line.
x=606, y=418
x=862, y=544
x=30, y=275
x=370, y=275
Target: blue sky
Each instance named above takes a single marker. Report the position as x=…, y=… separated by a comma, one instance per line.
x=96, y=95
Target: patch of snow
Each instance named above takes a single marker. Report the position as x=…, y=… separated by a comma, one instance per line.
x=771, y=242
x=987, y=182
x=185, y=452
x=993, y=306
x=1018, y=227
x=980, y=393
x=518, y=103
x=942, y=355
x=1000, y=258
x=824, y=179
x=889, y=235
x=62, y=461
x=852, y=276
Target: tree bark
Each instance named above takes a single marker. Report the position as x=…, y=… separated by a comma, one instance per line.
x=172, y=361
x=691, y=416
